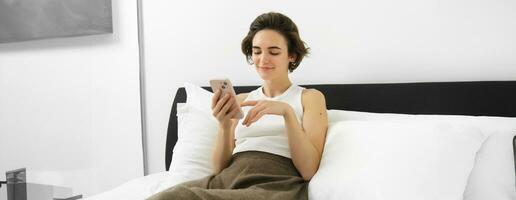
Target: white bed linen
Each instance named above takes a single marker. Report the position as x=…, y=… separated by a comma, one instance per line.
x=141, y=188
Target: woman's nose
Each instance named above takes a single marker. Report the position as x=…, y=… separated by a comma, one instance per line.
x=264, y=58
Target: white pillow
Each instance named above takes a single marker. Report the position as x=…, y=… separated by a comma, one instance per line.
x=493, y=175
x=196, y=136
x=198, y=97
x=373, y=160
x=197, y=132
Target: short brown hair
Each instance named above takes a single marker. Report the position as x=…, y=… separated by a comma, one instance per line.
x=284, y=26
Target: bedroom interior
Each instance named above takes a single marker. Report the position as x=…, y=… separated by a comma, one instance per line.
x=428, y=87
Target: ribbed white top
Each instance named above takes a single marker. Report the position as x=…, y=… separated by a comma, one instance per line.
x=268, y=134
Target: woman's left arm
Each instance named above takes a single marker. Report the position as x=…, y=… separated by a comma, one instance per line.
x=307, y=140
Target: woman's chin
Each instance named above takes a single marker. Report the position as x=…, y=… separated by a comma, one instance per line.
x=265, y=76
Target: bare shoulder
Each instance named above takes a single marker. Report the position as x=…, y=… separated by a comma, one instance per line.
x=312, y=96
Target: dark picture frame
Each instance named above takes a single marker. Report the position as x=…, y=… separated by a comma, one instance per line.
x=23, y=20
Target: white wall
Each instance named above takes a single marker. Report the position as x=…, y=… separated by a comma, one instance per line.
x=351, y=42
x=70, y=108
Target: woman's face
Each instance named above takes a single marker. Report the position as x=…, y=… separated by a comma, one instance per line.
x=270, y=54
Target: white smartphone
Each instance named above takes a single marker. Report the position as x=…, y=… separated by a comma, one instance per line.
x=226, y=87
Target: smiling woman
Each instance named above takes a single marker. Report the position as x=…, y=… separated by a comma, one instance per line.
x=281, y=30
x=277, y=148
x=270, y=53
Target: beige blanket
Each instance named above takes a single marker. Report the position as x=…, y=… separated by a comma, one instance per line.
x=251, y=175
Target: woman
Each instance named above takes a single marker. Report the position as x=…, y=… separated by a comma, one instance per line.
x=276, y=149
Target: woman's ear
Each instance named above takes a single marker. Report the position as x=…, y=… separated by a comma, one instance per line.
x=292, y=58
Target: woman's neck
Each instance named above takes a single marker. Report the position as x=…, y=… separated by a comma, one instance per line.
x=273, y=88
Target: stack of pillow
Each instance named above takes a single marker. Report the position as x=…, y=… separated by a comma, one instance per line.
x=369, y=156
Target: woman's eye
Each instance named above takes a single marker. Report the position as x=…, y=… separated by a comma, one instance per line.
x=274, y=53
x=257, y=52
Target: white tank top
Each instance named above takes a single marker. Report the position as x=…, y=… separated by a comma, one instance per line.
x=268, y=134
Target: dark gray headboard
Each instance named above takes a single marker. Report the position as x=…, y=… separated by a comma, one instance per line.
x=488, y=98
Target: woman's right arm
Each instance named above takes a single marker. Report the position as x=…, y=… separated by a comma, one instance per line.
x=223, y=150
x=225, y=142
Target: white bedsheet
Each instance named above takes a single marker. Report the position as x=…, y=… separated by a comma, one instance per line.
x=141, y=188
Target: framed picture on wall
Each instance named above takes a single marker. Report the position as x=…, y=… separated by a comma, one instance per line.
x=22, y=20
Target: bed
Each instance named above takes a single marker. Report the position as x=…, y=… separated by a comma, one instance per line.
x=468, y=102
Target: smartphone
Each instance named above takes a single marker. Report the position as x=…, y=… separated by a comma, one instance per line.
x=226, y=87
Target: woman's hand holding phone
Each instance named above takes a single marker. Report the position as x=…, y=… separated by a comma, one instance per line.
x=224, y=103
x=221, y=105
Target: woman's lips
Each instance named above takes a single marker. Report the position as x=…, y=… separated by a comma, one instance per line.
x=266, y=68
